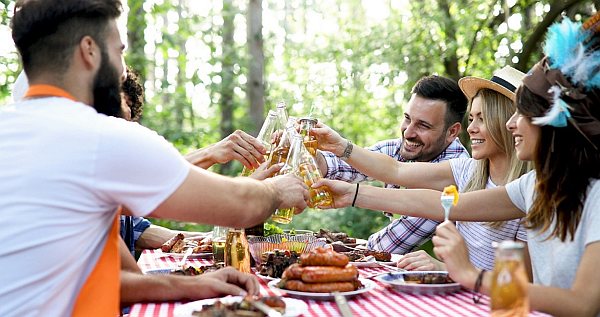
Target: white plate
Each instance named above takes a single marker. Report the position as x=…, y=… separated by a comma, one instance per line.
x=396, y=279
x=293, y=307
x=395, y=258
x=368, y=286
x=206, y=255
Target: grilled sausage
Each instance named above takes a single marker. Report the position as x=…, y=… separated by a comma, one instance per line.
x=323, y=257
x=293, y=272
x=167, y=246
x=327, y=274
x=295, y=285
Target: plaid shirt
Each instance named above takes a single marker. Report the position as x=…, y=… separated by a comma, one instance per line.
x=404, y=234
x=131, y=230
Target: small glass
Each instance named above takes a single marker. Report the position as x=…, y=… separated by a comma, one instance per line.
x=509, y=295
x=237, y=253
x=219, y=238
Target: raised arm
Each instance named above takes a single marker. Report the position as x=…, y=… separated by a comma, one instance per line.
x=383, y=167
x=482, y=205
x=238, y=146
x=234, y=202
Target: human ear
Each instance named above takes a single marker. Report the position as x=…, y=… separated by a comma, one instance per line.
x=89, y=51
x=454, y=131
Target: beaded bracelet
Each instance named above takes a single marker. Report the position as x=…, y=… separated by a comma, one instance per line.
x=355, y=195
x=477, y=295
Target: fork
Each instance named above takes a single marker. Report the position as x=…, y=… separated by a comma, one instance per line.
x=447, y=202
x=187, y=253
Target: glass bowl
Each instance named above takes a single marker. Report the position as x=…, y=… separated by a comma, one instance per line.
x=301, y=243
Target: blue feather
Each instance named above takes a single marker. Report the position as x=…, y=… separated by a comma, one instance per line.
x=562, y=41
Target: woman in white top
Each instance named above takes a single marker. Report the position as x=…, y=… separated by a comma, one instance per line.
x=494, y=163
x=557, y=126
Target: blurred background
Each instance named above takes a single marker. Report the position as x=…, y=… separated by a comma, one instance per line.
x=213, y=66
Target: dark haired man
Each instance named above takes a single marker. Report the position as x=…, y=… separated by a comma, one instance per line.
x=432, y=122
x=91, y=164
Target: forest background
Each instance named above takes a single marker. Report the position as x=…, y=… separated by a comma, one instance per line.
x=213, y=66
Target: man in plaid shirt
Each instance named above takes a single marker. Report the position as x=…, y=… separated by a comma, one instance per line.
x=432, y=122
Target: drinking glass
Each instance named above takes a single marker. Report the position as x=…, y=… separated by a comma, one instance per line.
x=219, y=238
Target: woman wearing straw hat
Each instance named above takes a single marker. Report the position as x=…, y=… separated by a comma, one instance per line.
x=557, y=126
x=494, y=163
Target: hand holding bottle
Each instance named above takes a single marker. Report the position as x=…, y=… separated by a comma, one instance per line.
x=343, y=193
x=328, y=139
x=291, y=190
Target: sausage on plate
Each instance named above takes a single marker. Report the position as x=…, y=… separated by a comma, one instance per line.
x=327, y=274
x=295, y=285
x=167, y=246
x=323, y=257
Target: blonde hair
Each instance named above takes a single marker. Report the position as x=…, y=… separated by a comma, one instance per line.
x=496, y=110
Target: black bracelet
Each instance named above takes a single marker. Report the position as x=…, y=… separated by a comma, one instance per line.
x=355, y=195
x=477, y=295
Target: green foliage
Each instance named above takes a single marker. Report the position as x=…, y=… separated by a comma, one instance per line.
x=330, y=58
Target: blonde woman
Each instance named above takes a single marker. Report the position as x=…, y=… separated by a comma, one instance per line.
x=494, y=163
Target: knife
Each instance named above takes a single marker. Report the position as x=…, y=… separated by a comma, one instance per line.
x=342, y=304
x=270, y=312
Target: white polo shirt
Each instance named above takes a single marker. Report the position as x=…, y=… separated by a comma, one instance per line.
x=64, y=170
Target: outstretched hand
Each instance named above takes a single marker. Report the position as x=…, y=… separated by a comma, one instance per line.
x=420, y=261
x=342, y=192
x=264, y=171
x=328, y=139
x=451, y=248
x=228, y=281
x=238, y=146
x=291, y=190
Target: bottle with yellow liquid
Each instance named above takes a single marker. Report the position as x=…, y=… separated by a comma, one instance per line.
x=237, y=253
x=305, y=166
x=509, y=292
x=310, y=141
x=219, y=238
x=285, y=216
x=266, y=137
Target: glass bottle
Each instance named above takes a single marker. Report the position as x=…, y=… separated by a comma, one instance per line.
x=310, y=141
x=219, y=235
x=285, y=215
x=237, y=253
x=281, y=151
x=508, y=294
x=305, y=166
x=265, y=136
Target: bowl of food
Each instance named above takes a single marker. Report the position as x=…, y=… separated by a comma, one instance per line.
x=299, y=243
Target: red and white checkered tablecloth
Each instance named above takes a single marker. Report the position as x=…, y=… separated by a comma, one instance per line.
x=381, y=301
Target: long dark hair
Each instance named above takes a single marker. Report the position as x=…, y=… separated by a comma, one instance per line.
x=565, y=164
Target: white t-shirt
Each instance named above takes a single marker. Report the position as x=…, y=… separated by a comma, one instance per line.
x=64, y=170
x=555, y=262
x=479, y=235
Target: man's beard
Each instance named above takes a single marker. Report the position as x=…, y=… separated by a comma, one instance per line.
x=107, y=89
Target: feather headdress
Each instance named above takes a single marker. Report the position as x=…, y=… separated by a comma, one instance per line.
x=570, y=48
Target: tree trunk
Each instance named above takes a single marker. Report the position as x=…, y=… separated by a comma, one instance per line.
x=450, y=57
x=256, y=86
x=227, y=83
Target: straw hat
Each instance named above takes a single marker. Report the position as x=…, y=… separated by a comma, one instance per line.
x=505, y=81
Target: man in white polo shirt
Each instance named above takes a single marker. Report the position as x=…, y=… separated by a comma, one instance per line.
x=66, y=167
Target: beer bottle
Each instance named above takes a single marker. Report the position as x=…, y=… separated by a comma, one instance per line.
x=509, y=296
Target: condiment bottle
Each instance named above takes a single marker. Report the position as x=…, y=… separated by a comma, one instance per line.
x=237, y=253
x=509, y=292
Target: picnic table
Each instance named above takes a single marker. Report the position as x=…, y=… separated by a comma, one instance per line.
x=381, y=301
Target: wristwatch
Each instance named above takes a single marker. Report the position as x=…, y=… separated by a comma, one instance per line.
x=347, y=150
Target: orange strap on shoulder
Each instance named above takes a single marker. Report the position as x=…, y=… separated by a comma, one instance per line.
x=48, y=90
x=100, y=295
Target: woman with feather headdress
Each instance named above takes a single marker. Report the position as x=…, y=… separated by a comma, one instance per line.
x=557, y=127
